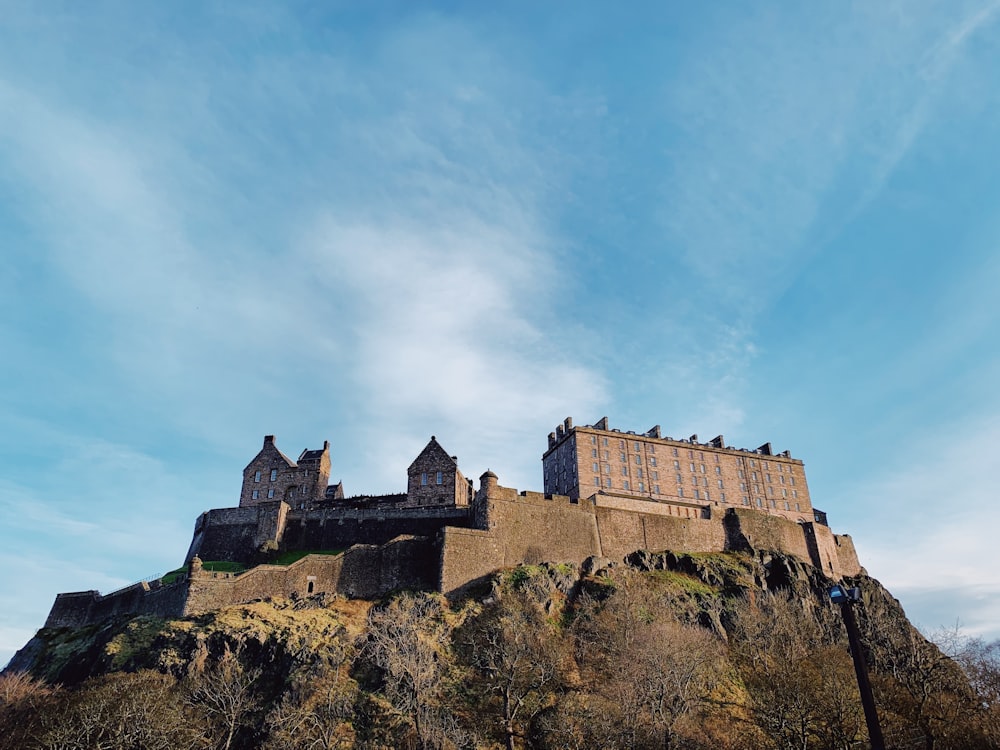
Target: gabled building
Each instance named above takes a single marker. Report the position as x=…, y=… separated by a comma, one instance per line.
x=433, y=480
x=273, y=476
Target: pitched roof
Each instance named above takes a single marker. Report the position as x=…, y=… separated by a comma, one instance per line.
x=431, y=449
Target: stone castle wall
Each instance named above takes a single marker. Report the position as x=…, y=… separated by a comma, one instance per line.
x=236, y=534
x=530, y=527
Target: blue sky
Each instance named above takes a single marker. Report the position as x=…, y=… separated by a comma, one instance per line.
x=374, y=222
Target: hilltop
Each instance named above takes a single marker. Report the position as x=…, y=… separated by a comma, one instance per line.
x=720, y=650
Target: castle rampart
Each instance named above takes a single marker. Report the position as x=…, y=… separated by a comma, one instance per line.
x=441, y=535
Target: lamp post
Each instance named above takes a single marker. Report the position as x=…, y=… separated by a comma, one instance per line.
x=846, y=599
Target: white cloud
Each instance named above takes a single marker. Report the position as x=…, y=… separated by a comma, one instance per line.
x=922, y=525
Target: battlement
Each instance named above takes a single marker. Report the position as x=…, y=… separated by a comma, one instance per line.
x=607, y=493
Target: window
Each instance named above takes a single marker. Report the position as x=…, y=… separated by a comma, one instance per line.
x=675, y=451
x=680, y=492
x=439, y=479
x=795, y=493
x=593, y=452
x=692, y=467
x=638, y=447
x=797, y=507
x=707, y=496
x=722, y=496
x=256, y=494
x=638, y=473
x=743, y=486
x=696, y=495
x=740, y=472
x=768, y=477
x=677, y=464
x=638, y=460
x=759, y=503
x=622, y=457
x=607, y=483
x=784, y=493
x=787, y=506
x=718, y=469
x=274, y=474
x=596, y=468
x=625, y=484
x=642, y=487
x=720, y=484
x=782, y=478
x=754, y=475
x=656, y=475
x=652, y=448
x=702, y=468
x=256, y=476
x=270, y=494
x=657, y=489
x=793, y=481
x=746, y=500
x=679, y=479
x=606, y=469
x=624, y=471
x=652, y=461
x=605, y=455
x=604, y=441
x=773, y=504
x=593, y=439
x=597, y=481
x=423, y=479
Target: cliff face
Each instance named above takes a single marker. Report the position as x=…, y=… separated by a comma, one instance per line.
x=732, y=650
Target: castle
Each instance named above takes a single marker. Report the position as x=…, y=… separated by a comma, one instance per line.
x=607, y=493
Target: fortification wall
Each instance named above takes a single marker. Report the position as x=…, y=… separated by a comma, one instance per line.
x=847, y=555
x=363, y=571
x=337, y=528
x=623, y=532
x=748, y=530
x=531, y=528
x=76, y=609
x=236, y=534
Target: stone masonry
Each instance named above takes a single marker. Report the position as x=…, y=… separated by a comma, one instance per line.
x=607, y=494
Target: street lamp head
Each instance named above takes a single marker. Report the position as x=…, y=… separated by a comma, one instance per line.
x=838, y=595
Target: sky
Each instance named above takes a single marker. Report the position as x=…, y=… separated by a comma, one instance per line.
x=374, y=222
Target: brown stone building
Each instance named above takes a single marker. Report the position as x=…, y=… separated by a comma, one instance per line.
x=693, y=476
x=273, y=476
x=433, y=479
x=607, y=493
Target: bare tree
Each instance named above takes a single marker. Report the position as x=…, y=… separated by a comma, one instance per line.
x=315, y=714
x=225, y=694
x=121, y=711
x=652, y=671
x=409, y=640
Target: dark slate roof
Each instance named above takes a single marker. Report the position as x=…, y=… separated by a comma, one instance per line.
x=308, y=455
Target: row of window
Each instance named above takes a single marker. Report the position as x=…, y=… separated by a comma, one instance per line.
x=438, y=478
x=274, y=475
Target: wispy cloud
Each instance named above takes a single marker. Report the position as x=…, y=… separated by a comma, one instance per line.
x=920, y=523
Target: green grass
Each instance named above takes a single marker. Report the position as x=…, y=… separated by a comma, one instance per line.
x=216, y=566
x=287, y=558
x=173, y=576
x=686, y=583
